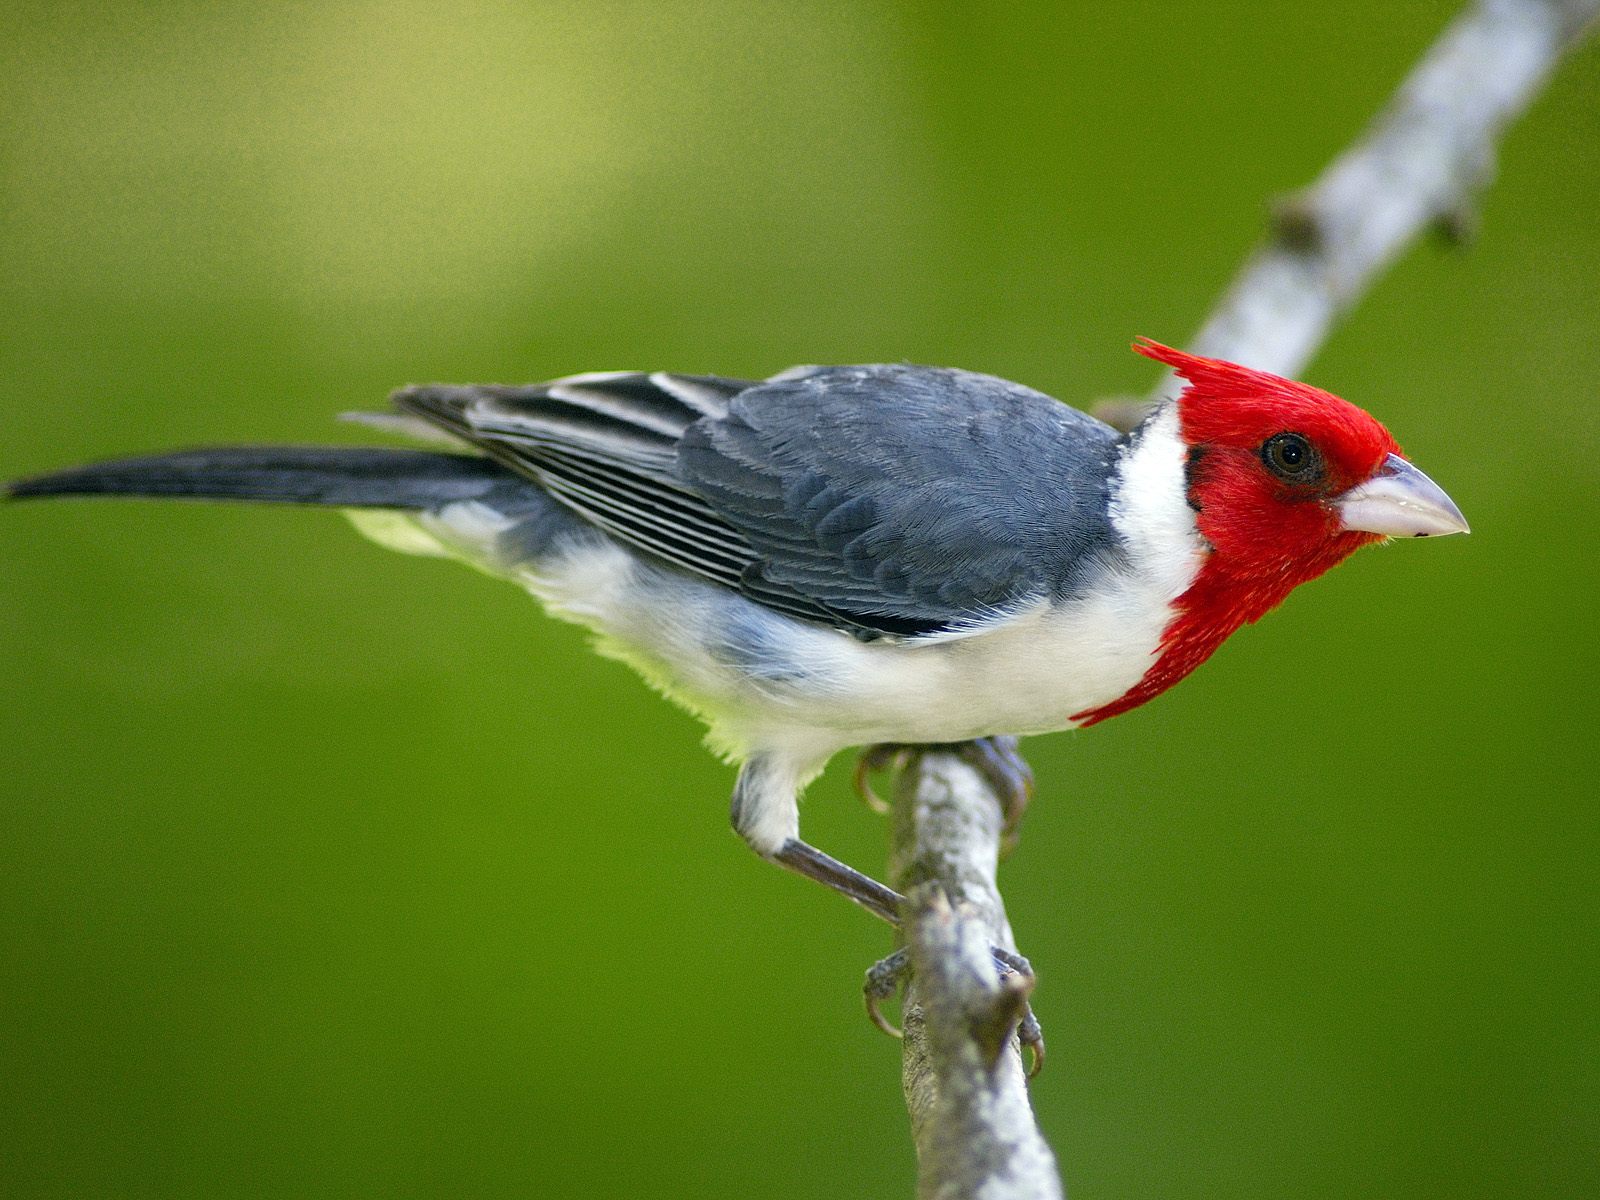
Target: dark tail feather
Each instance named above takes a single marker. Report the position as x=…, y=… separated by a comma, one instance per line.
x=348, y=478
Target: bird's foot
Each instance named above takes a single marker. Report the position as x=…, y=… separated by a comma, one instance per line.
x=885, y=977
x=887, y=756
x=996, y=758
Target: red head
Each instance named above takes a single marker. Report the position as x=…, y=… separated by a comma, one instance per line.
x=1286, y=481
x=1269, y=460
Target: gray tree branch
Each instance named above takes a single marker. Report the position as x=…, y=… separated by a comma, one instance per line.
x=970, y=1117
x=1420, y=163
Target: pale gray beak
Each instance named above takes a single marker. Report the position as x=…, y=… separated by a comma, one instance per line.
x=1400, y=501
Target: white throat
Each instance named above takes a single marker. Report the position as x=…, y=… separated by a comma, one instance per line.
x=1150, y=506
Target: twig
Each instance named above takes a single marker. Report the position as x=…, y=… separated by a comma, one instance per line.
x=1420, y=163
x=964, y=1081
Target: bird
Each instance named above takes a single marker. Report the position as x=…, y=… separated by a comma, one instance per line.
x=860, y=556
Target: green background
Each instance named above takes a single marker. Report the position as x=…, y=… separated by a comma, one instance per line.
x=327, y=872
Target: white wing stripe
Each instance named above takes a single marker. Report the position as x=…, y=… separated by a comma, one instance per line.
x=596, y=401
x=706, y=400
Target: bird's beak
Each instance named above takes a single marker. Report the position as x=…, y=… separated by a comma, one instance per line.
x=1400, y=501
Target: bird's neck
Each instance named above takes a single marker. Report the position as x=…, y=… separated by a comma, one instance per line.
x=1211, y=593
x=1210, y=611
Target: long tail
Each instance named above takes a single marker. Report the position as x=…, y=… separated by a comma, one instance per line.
x=343, y=477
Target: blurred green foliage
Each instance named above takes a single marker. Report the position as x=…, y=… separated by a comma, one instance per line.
x=325, y=872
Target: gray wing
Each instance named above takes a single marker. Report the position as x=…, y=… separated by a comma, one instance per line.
x=915, y=499
x=899, y=501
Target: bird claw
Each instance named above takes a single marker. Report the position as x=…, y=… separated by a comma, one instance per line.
x=883, y=757
x=996, y=758
x=883, y=981
x=885, y=976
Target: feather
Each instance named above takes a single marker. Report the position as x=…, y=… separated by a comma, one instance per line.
x=887, y=501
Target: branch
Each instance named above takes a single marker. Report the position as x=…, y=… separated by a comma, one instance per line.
x=1420, y=163
x=964, y=1081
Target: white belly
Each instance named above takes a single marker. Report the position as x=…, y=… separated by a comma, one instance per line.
x=763, y=681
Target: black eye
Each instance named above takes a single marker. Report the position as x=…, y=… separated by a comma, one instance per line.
x=1290, y=456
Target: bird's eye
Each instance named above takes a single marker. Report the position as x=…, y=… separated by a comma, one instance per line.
x=1290, y=456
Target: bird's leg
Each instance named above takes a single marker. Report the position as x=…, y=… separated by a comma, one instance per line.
x=996, y=758
x=765, y=814
x=885, y=976
x=753, y=810
x=805, y=859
